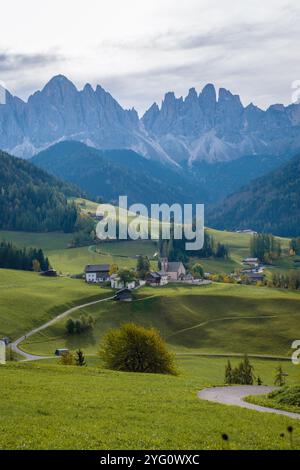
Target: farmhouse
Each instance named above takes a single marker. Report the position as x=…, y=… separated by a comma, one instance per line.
x=254, y=277
x=159, y=278
x=175, y=270
x=97, y=273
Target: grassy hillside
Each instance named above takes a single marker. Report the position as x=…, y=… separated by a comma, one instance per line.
x=29, y=300
x=73, y=260
x=90, y=408
x=220, y=318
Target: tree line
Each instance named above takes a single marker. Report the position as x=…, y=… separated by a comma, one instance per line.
x=265, y=247
x=175, y=250
x=290, y=280
x=26, y=259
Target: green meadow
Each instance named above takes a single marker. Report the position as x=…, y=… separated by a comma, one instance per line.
x=49, y=406
x=219, y=318
x=45, y=405
x=28, y=300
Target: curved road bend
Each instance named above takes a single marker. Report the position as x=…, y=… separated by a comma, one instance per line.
x=235, y=396
x=33, y=357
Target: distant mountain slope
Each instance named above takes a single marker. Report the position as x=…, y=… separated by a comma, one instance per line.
x=32, y=200
x=220, y=179
x=209, y=126
x=111, y=173
x=268, y=204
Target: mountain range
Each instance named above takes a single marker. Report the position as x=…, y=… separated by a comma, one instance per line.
x=202, y=127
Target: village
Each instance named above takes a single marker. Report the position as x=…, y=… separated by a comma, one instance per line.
x=124, y=281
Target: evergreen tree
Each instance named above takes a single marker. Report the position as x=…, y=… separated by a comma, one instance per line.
x=228, y=373
x=143, y=266
x=80, y=359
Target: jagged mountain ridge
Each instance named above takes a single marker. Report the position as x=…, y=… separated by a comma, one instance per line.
x=201, y=127
x=204, y=127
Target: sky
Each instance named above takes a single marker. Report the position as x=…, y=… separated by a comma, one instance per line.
x=140, y=49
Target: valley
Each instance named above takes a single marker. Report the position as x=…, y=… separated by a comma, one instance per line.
x=211, y=306
x=202, y=325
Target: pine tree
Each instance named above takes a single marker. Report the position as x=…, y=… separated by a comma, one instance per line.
x=228, y=373
x=80, y=359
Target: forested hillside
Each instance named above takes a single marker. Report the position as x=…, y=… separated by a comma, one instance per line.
x=32, y=200
x=268, y=204
x=110, y=173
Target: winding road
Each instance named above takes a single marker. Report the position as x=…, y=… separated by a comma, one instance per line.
x=33, y=357
x=235, y=396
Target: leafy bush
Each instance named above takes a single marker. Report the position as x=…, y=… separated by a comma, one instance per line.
x=286, y=396
x=198, y=271
x=67, y=359
x=133, y=348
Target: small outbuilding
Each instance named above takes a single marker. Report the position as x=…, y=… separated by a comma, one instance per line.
x=124, y=295
x=49, y=273
x=60, y=352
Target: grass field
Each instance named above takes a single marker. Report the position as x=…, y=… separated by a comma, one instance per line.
x=222, y=318
x=90, y=408
x=29, y=300
x=123, y=253
x=273, y=402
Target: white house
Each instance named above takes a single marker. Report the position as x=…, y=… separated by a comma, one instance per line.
x=251, y=262
x=116, y=283
x=96, y=273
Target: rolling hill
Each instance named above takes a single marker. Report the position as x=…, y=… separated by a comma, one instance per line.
x=30, y=199
x=219, y=318
x=268, y=204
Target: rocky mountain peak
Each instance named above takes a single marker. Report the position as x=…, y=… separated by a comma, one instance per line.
x=182, y=131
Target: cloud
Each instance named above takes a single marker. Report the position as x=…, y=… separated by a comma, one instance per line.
x=155, y=47
x=19, y=61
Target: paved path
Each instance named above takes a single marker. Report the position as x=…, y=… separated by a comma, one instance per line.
x=33, y=357
x=235, y=396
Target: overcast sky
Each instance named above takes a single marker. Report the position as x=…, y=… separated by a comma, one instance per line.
x=140, y=49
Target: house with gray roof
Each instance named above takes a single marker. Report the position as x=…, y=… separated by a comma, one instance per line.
x=96, y=273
